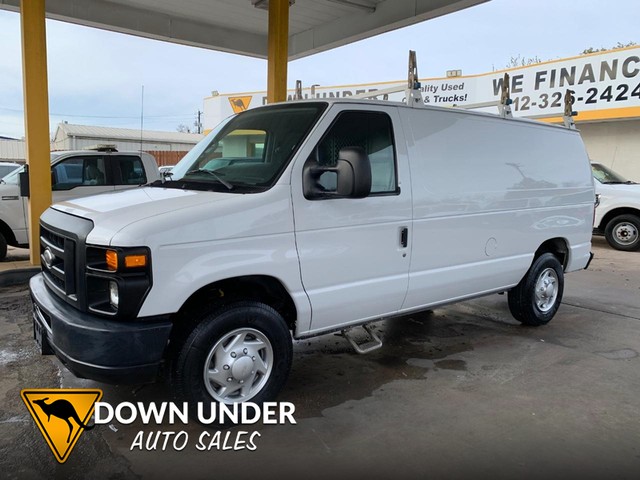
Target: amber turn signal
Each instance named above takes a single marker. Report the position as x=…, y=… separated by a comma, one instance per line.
x=134, y=261
x=111, y=258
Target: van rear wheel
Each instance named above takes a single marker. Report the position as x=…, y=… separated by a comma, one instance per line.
x=536, y=299
x=239, y=352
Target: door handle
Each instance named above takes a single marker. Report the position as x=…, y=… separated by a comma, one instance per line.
x=404, y=237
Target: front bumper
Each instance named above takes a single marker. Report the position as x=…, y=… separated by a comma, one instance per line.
x=97, y=348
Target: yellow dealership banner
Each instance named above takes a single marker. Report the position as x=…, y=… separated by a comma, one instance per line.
x=606, y=86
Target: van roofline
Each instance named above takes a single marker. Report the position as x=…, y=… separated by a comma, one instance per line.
x=347, y=101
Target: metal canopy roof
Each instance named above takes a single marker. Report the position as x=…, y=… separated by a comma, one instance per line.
x=237, y=26
x=92, y=131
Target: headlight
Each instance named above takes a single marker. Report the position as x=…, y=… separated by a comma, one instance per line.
x=113, y=294
x=117, y=280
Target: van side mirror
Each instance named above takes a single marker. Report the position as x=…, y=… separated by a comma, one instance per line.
x=352, y=172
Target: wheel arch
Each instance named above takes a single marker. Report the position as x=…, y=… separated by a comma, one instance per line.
x=614, y=213
x=557, y=246
x=8, y=234
x=262, y=288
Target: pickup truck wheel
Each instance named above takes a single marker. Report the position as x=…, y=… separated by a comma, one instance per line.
x=3, y=247
x=535, y=300
x=622, y=232
x=239, y=352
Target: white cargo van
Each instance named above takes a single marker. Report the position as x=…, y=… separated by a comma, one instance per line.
x=299, y=219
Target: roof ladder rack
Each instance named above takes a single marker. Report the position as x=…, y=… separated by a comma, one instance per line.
x=413, y=93
x=413, y=89
x=569, y=113
x=298, y=94
x=504, y=104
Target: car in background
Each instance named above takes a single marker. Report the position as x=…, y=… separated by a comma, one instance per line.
x=7, y=167
x=618, y=213
x=165, y=170
x=74, y=174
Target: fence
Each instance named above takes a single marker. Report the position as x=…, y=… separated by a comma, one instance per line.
x=167, y=157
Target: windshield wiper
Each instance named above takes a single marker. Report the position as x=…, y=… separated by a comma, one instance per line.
x=213, y=174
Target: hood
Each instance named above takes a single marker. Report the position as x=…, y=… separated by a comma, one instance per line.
x=154, y=216
x=114, y=211
x=619, y=188
x=137, y=203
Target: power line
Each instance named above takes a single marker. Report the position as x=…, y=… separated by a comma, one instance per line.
x=101, y=116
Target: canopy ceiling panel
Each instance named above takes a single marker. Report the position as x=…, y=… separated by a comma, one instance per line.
x=239, y=26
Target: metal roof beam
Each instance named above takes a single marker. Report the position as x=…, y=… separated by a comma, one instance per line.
x=369, y=17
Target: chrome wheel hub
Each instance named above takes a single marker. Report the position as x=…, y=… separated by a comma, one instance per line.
x=625, y=233
x=546, y=291
x=238, y=366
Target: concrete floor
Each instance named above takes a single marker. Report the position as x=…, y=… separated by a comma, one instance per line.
x=462, y=392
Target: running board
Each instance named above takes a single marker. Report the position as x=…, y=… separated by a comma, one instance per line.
x=366, y=347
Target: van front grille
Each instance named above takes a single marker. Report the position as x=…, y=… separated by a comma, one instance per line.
x=57, y=257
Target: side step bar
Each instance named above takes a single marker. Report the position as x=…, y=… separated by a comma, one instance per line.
x=373, y=344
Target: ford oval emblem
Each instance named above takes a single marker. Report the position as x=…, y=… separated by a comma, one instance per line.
x=48, y=258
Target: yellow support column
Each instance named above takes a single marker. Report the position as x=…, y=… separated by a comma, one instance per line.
x=36, y=116
x=278, y=50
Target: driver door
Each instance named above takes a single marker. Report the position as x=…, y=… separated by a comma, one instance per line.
x=79, y=176
x=354, y=252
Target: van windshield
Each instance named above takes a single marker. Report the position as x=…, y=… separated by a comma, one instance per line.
x=248, y=152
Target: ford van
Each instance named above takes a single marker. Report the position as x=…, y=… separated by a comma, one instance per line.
x=298, y=219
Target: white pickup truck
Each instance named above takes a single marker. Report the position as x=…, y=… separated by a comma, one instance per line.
x=618, y=212
x=304, y=218
x=73, y=174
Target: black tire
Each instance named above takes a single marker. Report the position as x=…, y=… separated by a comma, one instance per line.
x=623, y=232
x=261, y=323
x=3, y=247
x=529, y=308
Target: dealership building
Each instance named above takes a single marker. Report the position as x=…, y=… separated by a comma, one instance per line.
x=606, y=88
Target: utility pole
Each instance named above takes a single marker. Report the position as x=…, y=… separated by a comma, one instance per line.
x=198, y=123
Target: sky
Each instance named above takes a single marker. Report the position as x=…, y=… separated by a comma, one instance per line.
x=96, y=77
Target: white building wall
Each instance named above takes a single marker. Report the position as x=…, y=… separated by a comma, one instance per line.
x=70, y=143
x=615, y=144
x=12, y=150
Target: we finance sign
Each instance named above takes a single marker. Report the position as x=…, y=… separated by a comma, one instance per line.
x=606, y=85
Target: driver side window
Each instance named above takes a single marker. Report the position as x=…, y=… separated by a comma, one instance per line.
x=76, y=171
x=371, y=131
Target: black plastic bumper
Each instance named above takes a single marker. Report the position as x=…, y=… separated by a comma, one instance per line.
x=97, y=348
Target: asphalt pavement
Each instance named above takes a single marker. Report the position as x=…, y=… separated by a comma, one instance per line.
x=460, y=392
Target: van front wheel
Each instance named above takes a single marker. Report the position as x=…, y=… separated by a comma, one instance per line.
x=237, y=353
x=623, y=232
x=535, y=300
